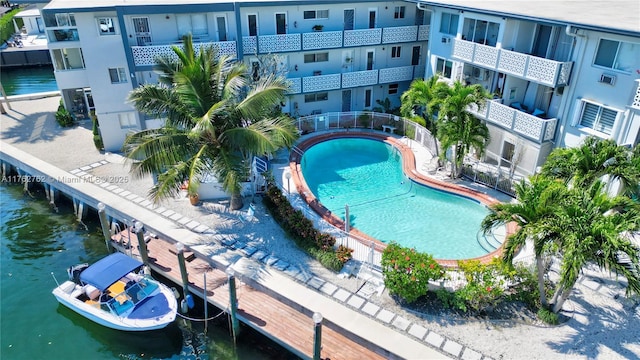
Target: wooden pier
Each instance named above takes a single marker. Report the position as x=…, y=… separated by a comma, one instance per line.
x=285, y=324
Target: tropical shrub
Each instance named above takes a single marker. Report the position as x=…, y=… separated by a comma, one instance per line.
x=484, y=287
x=97, y=139
x=63, y=117
x=407, y=272
x=302, y=230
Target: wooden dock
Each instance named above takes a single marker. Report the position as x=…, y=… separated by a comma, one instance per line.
x=284, y=324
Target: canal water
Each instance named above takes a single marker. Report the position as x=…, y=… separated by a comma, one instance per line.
x=27, y=80
x=36, y=240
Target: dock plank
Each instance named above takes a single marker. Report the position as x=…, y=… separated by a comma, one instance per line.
x=259, y=310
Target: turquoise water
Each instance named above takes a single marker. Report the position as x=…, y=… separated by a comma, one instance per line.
x=35, y=241
x=27, y=80
x=383, y=203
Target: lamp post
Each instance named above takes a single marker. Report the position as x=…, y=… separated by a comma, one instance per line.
x=288, y=176
x=317, y=338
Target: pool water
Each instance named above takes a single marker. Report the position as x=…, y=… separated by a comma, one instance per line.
x=367, y=176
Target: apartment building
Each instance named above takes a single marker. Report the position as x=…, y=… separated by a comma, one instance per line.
x=338, y=56
x=559, y=71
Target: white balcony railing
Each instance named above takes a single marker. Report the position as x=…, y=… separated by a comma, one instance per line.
x=395, y=74
x=362, y=37
x=636, y=98
x=398, y=34
x=543, y=71
x=146, y=55
x=321, y=40
x=423, y=32
x=359, y=78
x=250, y=45
x=321, y=83
x=278, y=43
x=533, y=127
x=295, y=85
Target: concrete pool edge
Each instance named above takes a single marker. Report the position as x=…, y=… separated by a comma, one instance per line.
x=408, y=167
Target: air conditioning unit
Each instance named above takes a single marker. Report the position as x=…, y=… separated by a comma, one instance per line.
x=608, y=79
x=480, y=74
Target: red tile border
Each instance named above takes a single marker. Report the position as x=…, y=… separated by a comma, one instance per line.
x=408, y=166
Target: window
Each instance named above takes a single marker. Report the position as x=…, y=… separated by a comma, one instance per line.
x=395, y=51
x=443, y=67
x=598, y=117
x=323, y=96
x=253, y=24
x=62, y=35
x=316, y=57
x=316, y=14
x=449, y=23
x=393, y=89
x=398, y=12
x=67, y=59
x=196, y=24
x=117, y=75
x=127, y=121
x=617, y=55
x=59, y=20
x=106, y=26
x=368, y=95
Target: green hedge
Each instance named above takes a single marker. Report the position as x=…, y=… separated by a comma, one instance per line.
x=6, y=25
x=303, y=232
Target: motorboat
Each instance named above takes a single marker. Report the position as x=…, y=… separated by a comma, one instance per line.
x=115, y=292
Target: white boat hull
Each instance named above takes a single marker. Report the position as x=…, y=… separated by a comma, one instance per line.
x=67, y=295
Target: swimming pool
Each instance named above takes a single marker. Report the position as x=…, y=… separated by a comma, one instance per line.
x=367, y=175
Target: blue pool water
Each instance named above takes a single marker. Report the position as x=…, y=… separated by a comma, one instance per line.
x=383, y=203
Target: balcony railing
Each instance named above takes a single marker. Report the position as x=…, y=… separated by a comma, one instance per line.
x=543, y=71
x=321, y=40
x=532, y=127
x=636, y=98
x=333, y=39
x=353, y=79
x=321, y=83
x=146, y=55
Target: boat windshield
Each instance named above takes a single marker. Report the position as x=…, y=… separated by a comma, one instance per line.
x=134, y=293
x=141, y=289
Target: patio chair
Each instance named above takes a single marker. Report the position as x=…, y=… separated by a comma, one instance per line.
x=249, y=215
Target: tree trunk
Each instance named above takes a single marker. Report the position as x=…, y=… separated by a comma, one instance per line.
x=540, y=267
x=236, y=202
x=556, y=295
x=558, y=305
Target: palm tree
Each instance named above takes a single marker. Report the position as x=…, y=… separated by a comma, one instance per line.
x=457, y=128
x=592, y=227
x=537, y=200
x=421, y=103
x=596, y=159
x=215, y=121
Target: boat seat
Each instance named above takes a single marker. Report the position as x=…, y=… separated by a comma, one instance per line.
x=91, y=292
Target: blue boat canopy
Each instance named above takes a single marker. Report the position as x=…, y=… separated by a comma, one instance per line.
x=109, y=270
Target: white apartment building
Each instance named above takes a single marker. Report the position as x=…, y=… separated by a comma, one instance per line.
x=559, y=70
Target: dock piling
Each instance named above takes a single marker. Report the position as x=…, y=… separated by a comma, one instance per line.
x=183, y=272
x=104, y=224
x=144, y=253
x=317, y=335
x=233, y=303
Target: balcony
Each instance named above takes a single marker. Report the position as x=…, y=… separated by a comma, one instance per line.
x=295, y=85
x=636, y=98
x=321, y=83
x=333, y=39
x=543, y=71
x=321, y=40
x=146, y=55
x=532, y=127
x=278, y=43
x=359, y=78
x=395, y=74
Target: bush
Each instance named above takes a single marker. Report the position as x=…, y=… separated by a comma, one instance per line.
x=485, y=284
x=6, y=24
x=302, y=230
x=63, y=117
x=97, y=139
x=407, y=272
x=548, y=316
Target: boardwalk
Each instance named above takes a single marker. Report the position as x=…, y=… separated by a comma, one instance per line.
x=287, y=325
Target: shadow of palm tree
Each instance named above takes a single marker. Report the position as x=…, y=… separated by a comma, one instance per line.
x=41, y=126
x=605, y=326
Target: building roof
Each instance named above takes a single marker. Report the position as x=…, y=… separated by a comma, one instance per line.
x=622, y=16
